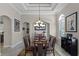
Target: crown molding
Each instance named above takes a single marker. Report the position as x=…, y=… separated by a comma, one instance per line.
x=37, y=13
x=56, y=10
x=15, y=9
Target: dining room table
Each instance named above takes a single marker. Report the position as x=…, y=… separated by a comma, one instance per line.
x=39, y=45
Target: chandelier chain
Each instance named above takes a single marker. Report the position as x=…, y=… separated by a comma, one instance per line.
x=39, y=11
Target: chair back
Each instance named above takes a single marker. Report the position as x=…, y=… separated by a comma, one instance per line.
x=34, y=50
x=40, y=50
x=52, y=41
x=28, y=38
x=36, y=38
x=25, y=42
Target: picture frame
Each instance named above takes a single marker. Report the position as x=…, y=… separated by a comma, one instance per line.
x=16, y=25
x=71, y=22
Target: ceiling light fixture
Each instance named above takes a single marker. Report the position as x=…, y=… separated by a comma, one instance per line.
x=39, y=22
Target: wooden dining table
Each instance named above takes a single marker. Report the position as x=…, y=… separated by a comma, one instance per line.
x=40, y=42
x=37, y=43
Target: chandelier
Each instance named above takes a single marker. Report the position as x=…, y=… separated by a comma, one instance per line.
x=39, y=23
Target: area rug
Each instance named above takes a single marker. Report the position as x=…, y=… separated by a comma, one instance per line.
x=22, y=53
x=29, y=53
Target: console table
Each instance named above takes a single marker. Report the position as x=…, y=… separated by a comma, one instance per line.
x=70, y=45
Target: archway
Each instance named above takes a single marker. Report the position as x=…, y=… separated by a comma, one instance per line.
x=26, y=31
x=6, y=31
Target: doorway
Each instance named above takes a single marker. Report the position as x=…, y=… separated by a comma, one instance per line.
x=26, y=31
x=6, y=34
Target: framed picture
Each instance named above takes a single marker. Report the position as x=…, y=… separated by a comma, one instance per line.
x=71, y=22
x=16, y=25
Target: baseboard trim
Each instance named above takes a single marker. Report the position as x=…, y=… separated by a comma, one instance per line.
x=13, y=46
x=6, y=46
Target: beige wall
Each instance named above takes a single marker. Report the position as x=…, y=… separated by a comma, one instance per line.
x=46, y=18
x=69, y=9
x=7, y=10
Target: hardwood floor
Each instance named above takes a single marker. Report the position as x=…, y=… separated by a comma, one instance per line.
x=1, y=45
x=19, y=51
x=29, y=53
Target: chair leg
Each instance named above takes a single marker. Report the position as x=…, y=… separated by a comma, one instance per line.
x=34, y=50
x=53, y=52
x=25, y=52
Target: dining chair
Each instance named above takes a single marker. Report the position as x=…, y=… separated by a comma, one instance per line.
x=28, y=38
x=43, y=37
x=27, y=44
x=51, y=46
x=40, y=50
x=36, y=37
x=44, y=50
x=34, y=50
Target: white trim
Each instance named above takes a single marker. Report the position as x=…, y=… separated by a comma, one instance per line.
x=56, y=10
x=6, y=45
x=36, y=13
x=15, y=8
x=16, y=44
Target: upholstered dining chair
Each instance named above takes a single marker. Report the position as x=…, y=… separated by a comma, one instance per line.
x=51, y=46
x=34, y=50
x=26, y=40
x=25, y=43
x=36, y=37
x=40, y=50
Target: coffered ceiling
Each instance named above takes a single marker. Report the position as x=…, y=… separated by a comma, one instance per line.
x=33, y=8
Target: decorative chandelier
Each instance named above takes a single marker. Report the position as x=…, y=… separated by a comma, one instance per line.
x=39, y=23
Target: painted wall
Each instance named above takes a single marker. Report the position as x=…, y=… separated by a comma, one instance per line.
x=46, y=18
x=7, y=10
x=1, y=26
x=69, y=9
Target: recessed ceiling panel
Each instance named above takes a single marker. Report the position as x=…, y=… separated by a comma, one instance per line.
x=32, y=7
x=37, y=4
x=19, y=6
x=43, y=6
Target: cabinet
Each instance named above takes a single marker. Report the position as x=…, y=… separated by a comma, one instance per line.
x=70, y=45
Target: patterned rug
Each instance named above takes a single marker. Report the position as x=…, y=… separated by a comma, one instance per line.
x=22, y=53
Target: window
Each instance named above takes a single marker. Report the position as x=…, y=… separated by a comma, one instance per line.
x=62, y=25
